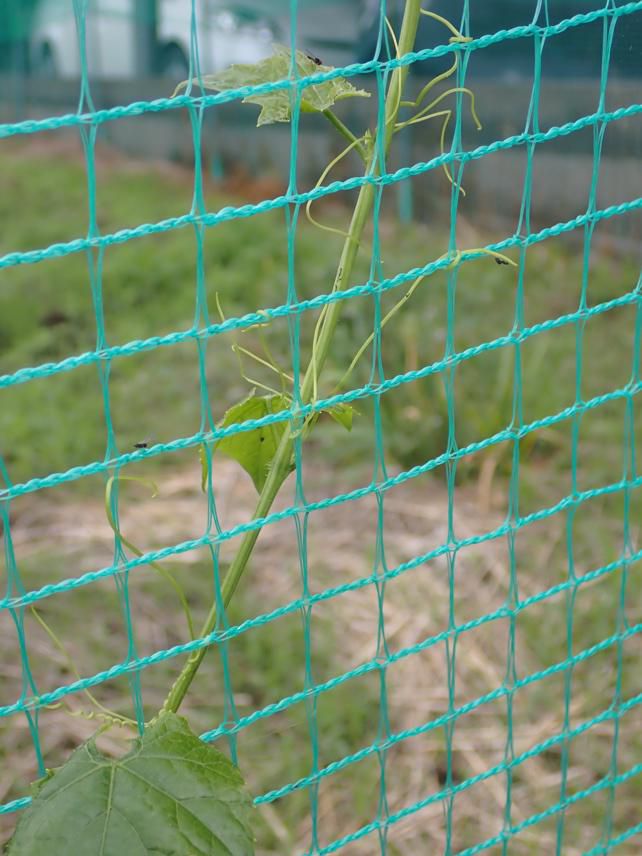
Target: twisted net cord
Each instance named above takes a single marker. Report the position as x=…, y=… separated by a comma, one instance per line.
x=87, y=119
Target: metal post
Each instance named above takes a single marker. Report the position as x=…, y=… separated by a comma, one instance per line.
x=145, y=16
x=17, y=18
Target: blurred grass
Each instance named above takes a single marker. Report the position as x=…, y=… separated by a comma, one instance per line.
x=148, y=289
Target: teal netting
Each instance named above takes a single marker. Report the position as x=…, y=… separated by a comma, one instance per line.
x=500, y=675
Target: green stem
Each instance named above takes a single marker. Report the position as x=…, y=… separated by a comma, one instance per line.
x=370, y=338
x=346, y=132
x=282, y=462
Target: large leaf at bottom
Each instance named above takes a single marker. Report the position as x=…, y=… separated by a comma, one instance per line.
x=171, y=794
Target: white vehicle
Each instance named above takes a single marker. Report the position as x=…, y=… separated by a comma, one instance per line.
x=226, y=33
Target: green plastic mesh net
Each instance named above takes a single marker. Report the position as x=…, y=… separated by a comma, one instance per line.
x=436, y=645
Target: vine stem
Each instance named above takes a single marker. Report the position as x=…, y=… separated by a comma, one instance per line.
x=282, y=462
x=347, y=133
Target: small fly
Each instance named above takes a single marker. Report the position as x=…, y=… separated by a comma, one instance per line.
x=315, y=59
x=500, y=261
x=143, y=444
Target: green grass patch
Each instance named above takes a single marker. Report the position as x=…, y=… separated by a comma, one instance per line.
x=151, y=286
x=148, y=287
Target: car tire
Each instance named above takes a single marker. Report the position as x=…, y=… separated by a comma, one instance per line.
x=44, y=63
x=173, y=63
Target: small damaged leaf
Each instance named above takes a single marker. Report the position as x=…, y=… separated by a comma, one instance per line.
x=171, y=793
x=343, y=414
x=254, y=450
x=276, y=106
x=203, y=460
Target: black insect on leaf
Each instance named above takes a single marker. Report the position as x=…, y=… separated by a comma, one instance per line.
x=315, y=59
x=500, y=261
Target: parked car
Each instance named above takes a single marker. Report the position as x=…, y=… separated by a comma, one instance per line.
x=226, y=33
x=328, y=29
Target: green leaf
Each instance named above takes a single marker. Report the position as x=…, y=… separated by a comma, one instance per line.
x=254, y=450
x=276, y=106
x=342, y=413
x=202, y=457
x=171, y=793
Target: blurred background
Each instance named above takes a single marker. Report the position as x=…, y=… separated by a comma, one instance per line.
x=59, y=184
x=140, y=49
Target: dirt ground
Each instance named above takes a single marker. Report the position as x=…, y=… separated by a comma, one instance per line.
x=416, y=604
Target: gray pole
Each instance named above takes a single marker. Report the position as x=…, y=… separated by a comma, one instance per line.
x=145, y=20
